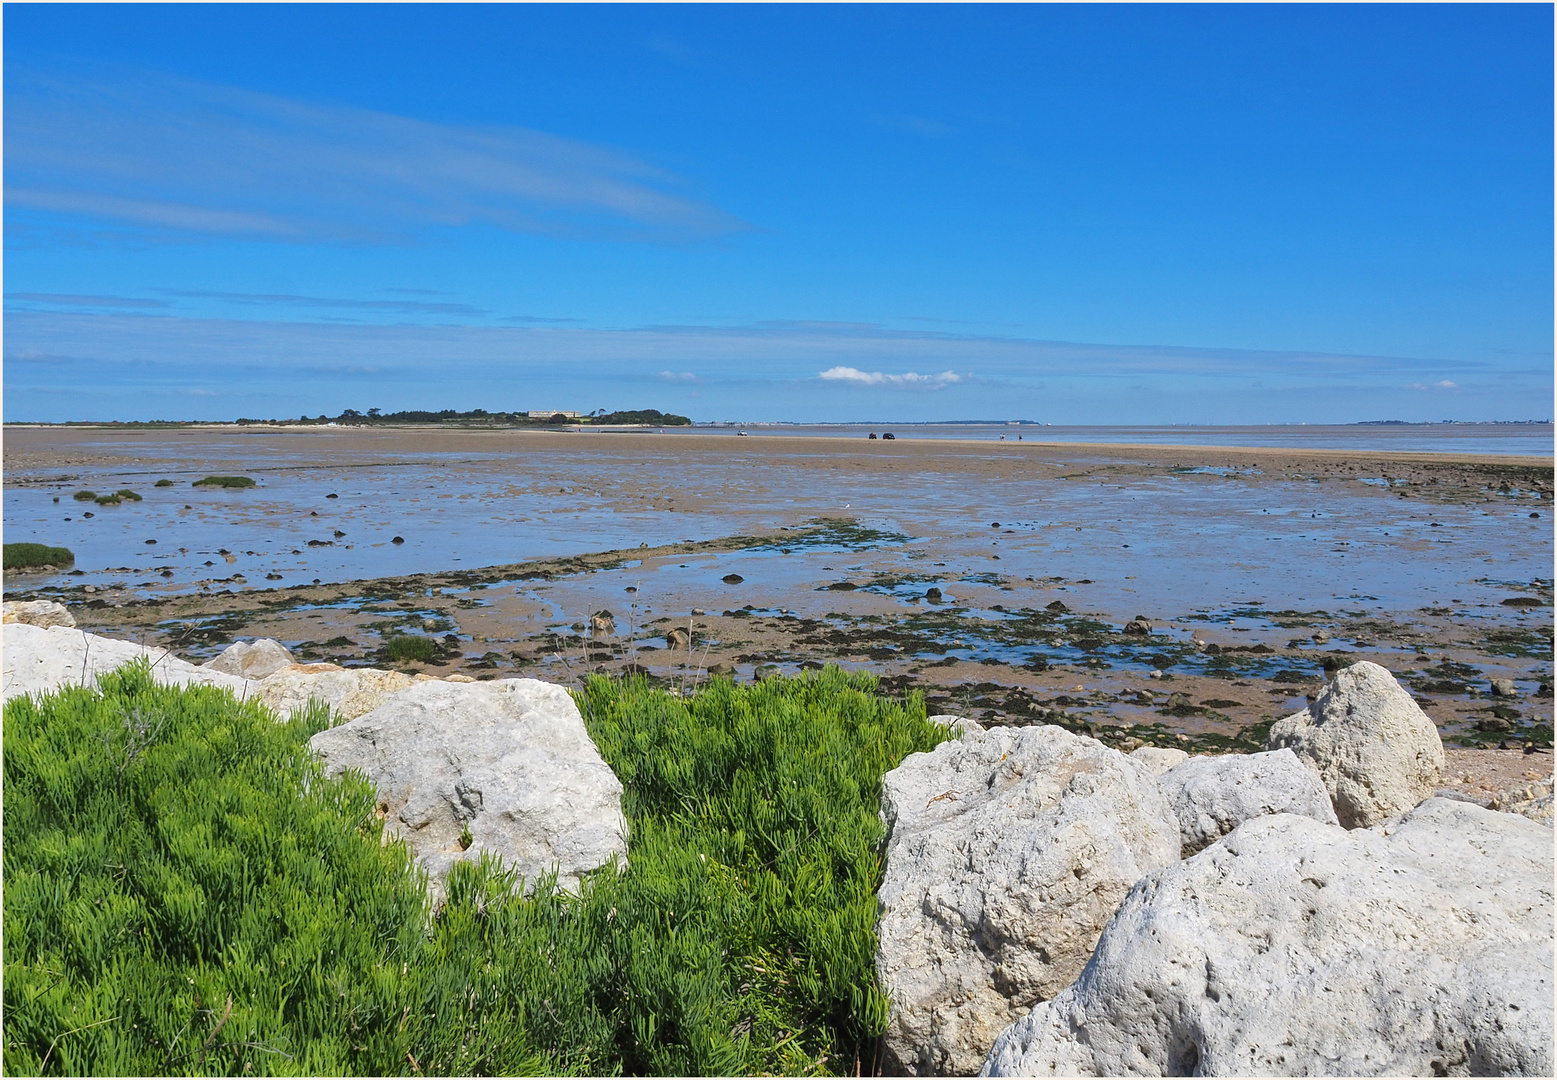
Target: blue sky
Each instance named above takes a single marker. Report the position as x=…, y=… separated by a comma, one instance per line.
x=1089, y=214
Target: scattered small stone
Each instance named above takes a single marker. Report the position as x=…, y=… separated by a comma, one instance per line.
x=698, y=611
x=398, y=540
x=1321, y=637
x=1504, y=688
x=1140, y=626
x=732, y=579
x=933, y=595
x=1056, y=606
x=151, y=541
x=332, y=495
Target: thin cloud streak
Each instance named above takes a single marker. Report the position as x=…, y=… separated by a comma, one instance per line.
x=407, y=307
x=160, y=153
x=907, y=381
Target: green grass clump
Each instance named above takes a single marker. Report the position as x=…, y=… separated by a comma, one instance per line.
x=108, y=500
x=225, y=482
x=163, y=483
x=754, y=818
x=84, y=496
x=409, y=648
x=174, y=860
x=126, y=493
x=186, y=893
x=22, y=556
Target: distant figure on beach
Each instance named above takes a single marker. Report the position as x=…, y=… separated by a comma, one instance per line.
x=872, y=434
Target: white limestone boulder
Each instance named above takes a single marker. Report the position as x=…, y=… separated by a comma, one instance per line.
x=1295, y=948
x=507, y=760
x=349, y=692
x=1378, y=753
x=1159, y=759
x=1007, y=852
x=252, y=660
x=1214, y=794
x=39, y=660
x=44, y=613
x=1533, y=801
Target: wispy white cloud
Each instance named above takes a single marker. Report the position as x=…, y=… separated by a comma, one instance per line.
x=290, y=300
x=80, y=300
x=677, y=376
x=909, y=380
x=916, y=125
x=1442, y=384
x=159, y=153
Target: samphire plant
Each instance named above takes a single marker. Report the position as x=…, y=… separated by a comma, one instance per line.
x=186, y=893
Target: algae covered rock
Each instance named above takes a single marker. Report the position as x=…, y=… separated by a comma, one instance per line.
x=1295, y=948
x=1378, y=753
x=1007, y=852
x=503, y=768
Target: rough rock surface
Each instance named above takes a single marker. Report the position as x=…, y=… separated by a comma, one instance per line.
x=253, y=661
x=349, y=692
x=1159, y=759
x=508, y=759
x=41, y=659
x=1378, y=753
x=1293, y=948
x=1533, y=801
x=1007, y=852
x=44, y=613
x=1213, y=795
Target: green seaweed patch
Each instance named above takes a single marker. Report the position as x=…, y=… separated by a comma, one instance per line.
x=846, y=533
x=108, y=500
x=25, y=556
x=226, y=482
x=128, y=495
x=164, y=482
x=1534, y=643
x=84, y=496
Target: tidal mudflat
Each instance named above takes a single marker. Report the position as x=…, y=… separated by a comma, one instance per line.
x=1145, y=593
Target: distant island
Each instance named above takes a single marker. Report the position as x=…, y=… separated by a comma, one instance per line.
x=531, y=418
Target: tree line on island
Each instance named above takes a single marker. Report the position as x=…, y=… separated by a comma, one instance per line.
x=652, y=417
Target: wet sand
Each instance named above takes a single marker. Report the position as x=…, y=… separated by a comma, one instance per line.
x=1257, y=568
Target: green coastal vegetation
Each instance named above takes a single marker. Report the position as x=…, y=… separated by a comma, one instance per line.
x=225, y=482
x=411, y=648
x=25, y=555
x=186, y=893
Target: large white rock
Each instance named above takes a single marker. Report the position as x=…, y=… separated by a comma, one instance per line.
x=1378, y=753
x=1213, y=795
x=253, y=661
x=1295, y=948
x=39, y=660
x=509, y=759
x=1007, y=852
x=349, y=692
x=44, y=613
x=1159, y=759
